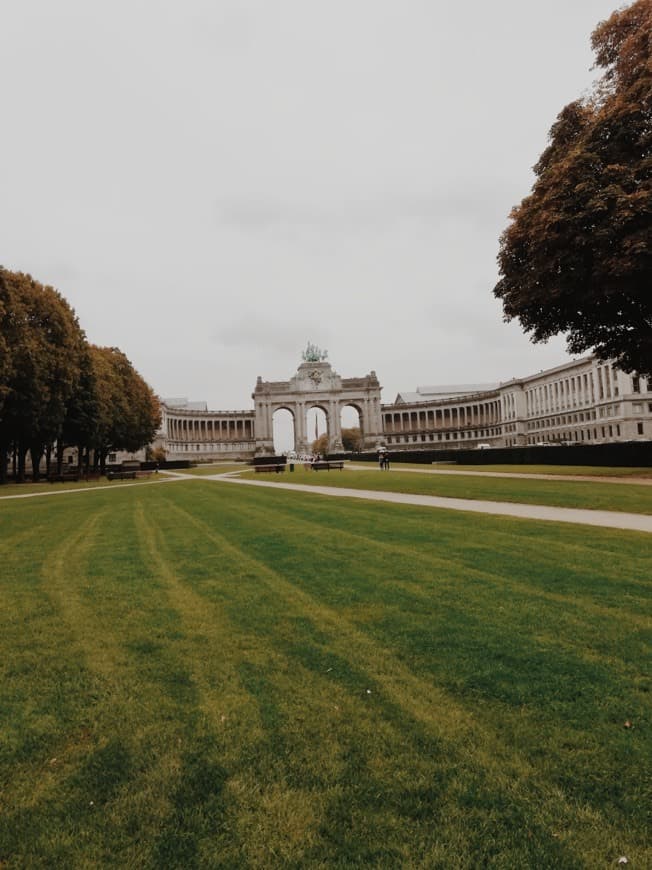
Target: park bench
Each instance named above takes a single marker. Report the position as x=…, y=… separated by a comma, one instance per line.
x=276, y=467
x=121, y=475
x=64, y=477
x=327, y=464
x=72, y=476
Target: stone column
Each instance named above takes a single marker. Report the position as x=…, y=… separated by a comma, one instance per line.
x=335, y=425
x=300, y=428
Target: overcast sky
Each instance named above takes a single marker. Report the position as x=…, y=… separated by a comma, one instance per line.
x=211, y=184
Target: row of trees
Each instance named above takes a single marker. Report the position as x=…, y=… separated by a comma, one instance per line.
x=577, y=256
x=57, y=390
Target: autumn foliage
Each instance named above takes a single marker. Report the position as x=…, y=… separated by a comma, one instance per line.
x=56, y=390
x=577, y=255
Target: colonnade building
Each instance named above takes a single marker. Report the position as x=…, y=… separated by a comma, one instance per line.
x=583, y=401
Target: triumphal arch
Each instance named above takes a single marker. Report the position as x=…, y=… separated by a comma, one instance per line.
x=317, y=385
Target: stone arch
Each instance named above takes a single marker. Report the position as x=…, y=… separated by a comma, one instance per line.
x=282, y=438
x=310, y=432
x=316, y=385
x=347, y=424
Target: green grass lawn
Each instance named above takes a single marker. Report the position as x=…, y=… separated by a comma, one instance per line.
x=214, y=468
x=206, y=675
x=31, y=488
x=566, y=470
x=627, y=497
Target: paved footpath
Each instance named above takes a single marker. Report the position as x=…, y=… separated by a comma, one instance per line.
x=607, y=519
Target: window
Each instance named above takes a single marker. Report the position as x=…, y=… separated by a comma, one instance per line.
x=636, y=384
x=639, y=428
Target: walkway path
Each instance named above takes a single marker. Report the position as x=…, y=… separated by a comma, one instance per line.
x=606, y=519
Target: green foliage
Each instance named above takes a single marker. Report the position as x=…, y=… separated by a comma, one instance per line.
x=45, y=348
x=352, y=439
x=203, y=675
x=576, y=257
x=54, y=387
x=320, y=445
x=128, y=411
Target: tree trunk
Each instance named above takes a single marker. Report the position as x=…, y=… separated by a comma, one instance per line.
x=48, y=459
x=60, y=448
x=4, y=456
x=35, y=452
x=20, y=473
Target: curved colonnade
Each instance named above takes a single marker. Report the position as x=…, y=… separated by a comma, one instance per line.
x=583, y=401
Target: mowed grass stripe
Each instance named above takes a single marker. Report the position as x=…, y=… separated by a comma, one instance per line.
x=114, y=767
x=619, y=647
x=530, y=564
x=258, y=791
x=221, y=603
x=390, y=679
x=386, y=677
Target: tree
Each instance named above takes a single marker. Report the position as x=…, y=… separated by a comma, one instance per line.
x=576, y=257
x=80, y=424
x=352, y=439
x=45, y=342
x=320, y=445
x=128, y=412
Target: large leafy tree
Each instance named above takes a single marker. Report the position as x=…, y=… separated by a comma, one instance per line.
x=45, y=345
x=127, y=411
x=577, y=255
x=352, y=438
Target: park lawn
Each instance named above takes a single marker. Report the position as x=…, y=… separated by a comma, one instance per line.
x=566, y=470
x=628, y=497
x=211, y=675
x=33, y=488
x=216, y=468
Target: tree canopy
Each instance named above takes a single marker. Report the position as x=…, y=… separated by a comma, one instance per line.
x=44, y=343
x=55, y=388
x=576, y=257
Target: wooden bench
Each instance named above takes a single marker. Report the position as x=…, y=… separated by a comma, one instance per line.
x=121, y=475
x=64, y=477
x=72, y=476
x=276, y=467
x=327, y=464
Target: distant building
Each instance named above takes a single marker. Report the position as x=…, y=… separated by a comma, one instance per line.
x=583, y=401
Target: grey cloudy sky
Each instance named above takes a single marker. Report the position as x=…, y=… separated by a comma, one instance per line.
x=211, y=184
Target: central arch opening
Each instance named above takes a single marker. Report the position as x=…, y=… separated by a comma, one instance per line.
x=317, y=430
x=283, y=431
x=351, y=421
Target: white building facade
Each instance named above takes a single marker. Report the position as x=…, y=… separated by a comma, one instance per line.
x=583, y=401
